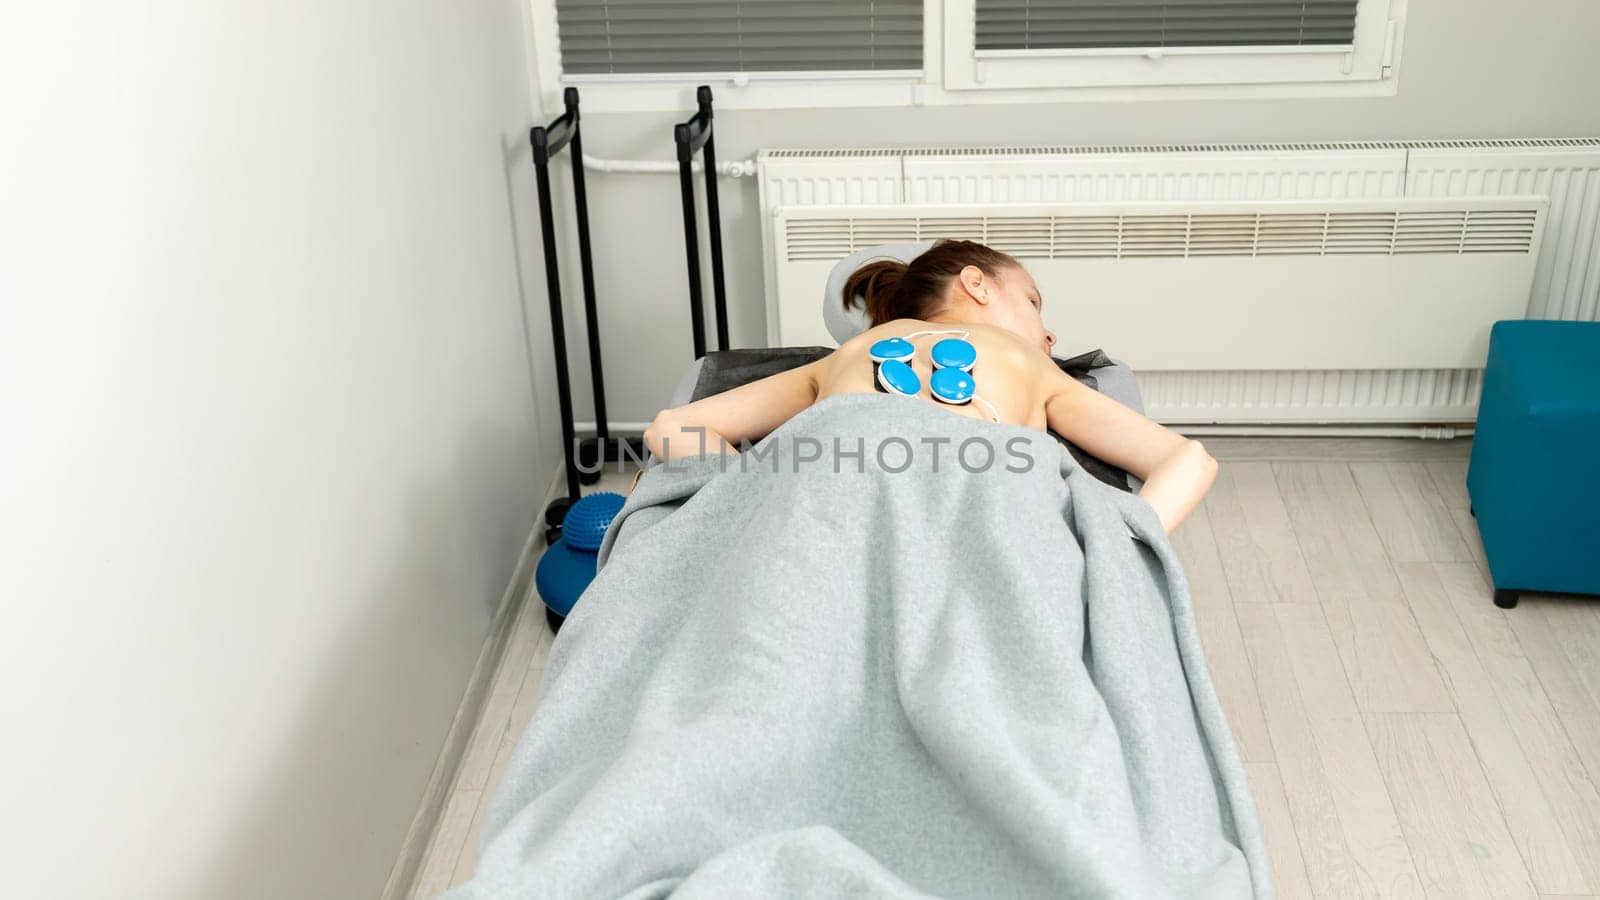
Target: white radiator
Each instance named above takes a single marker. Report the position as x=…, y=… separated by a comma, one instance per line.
x=1324, y=323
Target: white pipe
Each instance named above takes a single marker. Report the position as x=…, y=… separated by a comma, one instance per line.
x=1432, y=432
x=731, y=168
x=1429, y=432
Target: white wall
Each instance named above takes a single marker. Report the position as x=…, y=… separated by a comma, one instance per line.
x=270, y=447
x=1471, y=68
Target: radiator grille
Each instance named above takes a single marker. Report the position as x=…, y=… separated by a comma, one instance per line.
x=1143, y=235
x=1566, y=281
x=1012, y=150
x=1309, y=396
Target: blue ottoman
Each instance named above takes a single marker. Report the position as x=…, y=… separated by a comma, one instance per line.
x=1534, y=478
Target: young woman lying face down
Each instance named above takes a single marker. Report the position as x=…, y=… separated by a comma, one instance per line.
x=967, y=287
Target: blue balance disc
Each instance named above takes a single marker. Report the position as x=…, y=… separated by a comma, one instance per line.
x=892, y=348
x=568, y=565
x=562, y=575
x=586, y=522
x=951, y=386
x=895, y=377
x=954, y=353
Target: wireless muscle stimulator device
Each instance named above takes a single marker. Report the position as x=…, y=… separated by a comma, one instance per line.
x=951, y=382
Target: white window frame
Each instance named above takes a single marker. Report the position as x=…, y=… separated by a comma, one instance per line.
x=954, y=73
x=967, y=69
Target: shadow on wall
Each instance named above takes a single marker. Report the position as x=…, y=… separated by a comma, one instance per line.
x=329, y=818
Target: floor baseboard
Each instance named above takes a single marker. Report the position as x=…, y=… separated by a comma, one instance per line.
x=403, y=877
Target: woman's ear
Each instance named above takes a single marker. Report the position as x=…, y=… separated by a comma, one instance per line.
x=975, y=284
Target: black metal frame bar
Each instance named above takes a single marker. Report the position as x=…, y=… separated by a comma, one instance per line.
x=548, y=141
x=692, y=136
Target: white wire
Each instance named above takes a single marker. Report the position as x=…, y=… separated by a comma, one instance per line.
x=993, y=413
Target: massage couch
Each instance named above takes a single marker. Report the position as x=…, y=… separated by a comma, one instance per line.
x=874, y=682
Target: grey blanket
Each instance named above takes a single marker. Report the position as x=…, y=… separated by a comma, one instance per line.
x=898, y=674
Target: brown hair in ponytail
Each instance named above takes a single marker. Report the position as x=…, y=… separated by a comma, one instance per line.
x=896, y=290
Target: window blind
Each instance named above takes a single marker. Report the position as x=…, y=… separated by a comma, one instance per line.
x=1079, y=24
x=646, y=36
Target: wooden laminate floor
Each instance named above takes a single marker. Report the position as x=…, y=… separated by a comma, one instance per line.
x=1403, y=736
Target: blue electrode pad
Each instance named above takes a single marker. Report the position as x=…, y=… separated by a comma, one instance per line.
x=895, y=377
x=951, y=386
x=954, y=353
x=892, y=348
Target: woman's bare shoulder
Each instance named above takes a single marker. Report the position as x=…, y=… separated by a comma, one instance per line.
x=1009, y=349
x=997, y=346
x=857, y=346
x=893, y=328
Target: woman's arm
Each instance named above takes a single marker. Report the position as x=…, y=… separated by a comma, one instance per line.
x=1176, y=470
x=718, y=423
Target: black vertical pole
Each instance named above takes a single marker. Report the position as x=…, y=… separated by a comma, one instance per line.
x=558, y=332
x=580, y=199
x=691, y=239
x=714, y=221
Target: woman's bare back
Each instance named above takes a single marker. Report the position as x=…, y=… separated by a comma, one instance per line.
x=1007, y=371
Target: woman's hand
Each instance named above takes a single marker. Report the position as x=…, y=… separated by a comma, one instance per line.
x=1174, y=488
